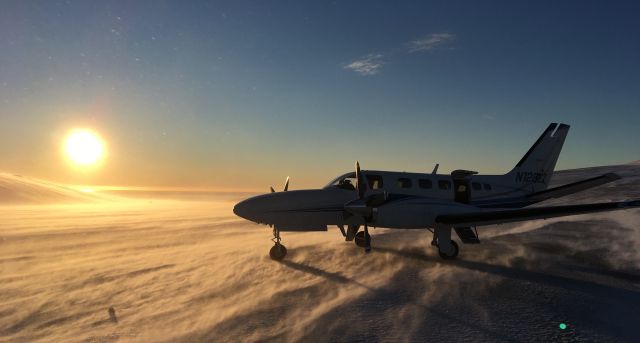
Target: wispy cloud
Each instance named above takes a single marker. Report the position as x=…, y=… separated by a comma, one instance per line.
x=366, y=65
x=488, y=117
x=372, y=63
x=431, y=42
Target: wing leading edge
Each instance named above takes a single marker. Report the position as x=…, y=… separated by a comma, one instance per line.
x=507, y=216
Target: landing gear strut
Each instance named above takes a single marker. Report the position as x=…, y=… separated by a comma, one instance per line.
x=447, y=248
x=278, y=251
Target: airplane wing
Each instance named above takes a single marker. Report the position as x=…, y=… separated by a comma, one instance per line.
x=506, y=216
x=575, y=187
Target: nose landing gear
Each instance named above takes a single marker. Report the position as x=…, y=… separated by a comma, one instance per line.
x=278, y=251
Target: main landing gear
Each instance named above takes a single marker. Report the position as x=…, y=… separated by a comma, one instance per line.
x=447, y=248
x=363, y=239
x=278, y=251
x=452, y=254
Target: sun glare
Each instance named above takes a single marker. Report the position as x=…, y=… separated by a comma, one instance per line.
x=84, y=147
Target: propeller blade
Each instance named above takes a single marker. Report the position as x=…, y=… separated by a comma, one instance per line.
x=286, y=185
x=272, y=190
x=360, y=186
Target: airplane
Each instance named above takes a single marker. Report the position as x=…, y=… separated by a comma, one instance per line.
x=440, y=203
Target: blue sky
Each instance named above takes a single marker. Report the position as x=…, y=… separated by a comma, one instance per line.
x=240, y=94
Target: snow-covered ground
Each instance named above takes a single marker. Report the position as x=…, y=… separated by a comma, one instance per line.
x=189, y=270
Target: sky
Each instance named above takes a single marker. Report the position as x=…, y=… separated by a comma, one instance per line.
x=237, y=95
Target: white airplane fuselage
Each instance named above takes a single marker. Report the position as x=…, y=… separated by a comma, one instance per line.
x=399, y=200
x=413, y=200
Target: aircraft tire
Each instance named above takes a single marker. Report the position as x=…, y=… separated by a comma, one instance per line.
x=361, y=240
x=278, y=252
x=452, y=256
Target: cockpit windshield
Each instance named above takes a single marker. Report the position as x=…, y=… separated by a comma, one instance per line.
x=345, y=181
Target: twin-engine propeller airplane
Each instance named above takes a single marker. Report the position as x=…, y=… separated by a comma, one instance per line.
x=460, y=201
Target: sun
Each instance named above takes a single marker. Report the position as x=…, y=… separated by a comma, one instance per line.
x=84, y=147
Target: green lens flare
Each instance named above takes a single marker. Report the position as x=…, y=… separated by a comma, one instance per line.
x=563, y=326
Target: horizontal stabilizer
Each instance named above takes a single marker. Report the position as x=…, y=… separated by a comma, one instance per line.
x=571, y=188
x=506, y=216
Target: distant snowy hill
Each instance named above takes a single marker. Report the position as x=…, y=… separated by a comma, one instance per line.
x=20, y=190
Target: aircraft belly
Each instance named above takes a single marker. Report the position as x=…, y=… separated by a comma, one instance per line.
x=404, y=216
x=415, y=214
x=311, y=218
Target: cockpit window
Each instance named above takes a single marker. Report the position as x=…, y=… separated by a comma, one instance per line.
x=345, y=181
x=351, y=176
x=348, y=181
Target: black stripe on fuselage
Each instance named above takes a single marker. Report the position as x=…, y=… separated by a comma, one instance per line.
x=321, y=209
x=392, y=198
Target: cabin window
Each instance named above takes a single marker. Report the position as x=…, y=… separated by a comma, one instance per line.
x=444, y=184
x=425, y=183
x=487, y=187
x=476, y=186
x=374, y=181
x=403, y=182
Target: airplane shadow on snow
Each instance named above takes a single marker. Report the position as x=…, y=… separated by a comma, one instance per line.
x=397, y=291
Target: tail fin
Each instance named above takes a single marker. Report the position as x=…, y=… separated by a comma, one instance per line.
x=536, y=166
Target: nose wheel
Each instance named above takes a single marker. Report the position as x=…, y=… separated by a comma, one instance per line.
x=278, y=250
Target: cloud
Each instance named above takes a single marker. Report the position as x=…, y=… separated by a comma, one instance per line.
x=431, y=42
x=372, y=63
x=488, y=117
x=366, y=65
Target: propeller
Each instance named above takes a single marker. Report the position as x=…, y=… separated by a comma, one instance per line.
x=363, y=207
x=286, y=186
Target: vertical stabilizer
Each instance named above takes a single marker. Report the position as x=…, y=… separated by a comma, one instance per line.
x=536, y=167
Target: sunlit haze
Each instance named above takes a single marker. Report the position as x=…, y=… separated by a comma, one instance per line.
x=238, y=95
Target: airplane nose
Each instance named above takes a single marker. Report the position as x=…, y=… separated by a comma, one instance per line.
x=253, y=209
x=241, y=209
